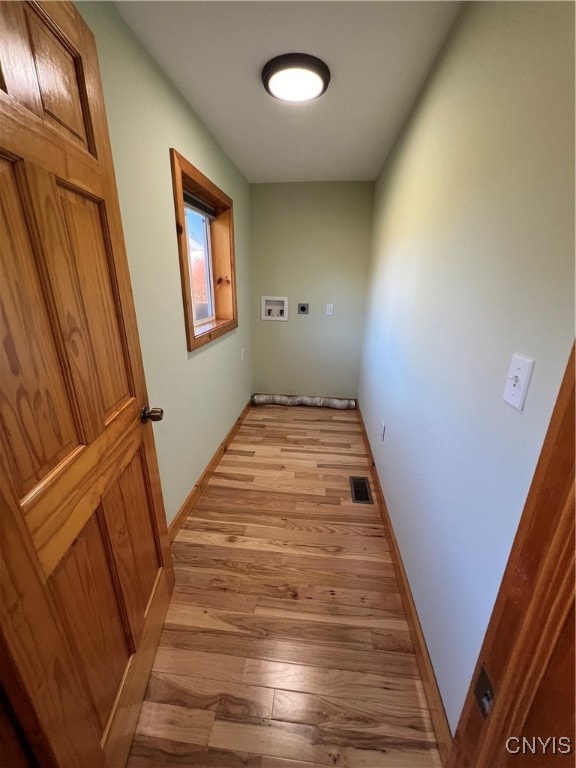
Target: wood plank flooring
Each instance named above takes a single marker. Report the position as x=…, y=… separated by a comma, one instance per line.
x=285, y=644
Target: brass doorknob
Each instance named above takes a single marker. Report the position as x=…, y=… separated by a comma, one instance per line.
x=151, y=414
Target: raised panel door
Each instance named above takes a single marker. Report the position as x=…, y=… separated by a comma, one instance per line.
x=85, y=570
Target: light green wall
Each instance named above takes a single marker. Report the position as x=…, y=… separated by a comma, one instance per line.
x=310, y=243
x=202, y=392
x=472, y=261
x=469, y=259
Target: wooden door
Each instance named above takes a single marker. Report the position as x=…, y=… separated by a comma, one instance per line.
x=528, y=651
x=85, y=570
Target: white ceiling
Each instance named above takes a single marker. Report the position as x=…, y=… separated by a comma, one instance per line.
x=379, y=54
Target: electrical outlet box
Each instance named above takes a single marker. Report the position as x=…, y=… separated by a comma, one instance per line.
x=274, y=308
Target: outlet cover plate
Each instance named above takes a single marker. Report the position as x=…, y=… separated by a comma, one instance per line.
x=518, y=379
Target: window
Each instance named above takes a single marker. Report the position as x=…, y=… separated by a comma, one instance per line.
x=204, y=227
x=200, y=263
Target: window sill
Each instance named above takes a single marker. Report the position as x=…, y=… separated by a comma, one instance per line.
x=207, y=332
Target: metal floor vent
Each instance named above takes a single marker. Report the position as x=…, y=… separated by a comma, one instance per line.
x=360, y=488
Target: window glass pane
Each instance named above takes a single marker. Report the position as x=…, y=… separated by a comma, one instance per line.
x=197, y=231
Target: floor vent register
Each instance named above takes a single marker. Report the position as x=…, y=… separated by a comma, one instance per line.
x=360, y=488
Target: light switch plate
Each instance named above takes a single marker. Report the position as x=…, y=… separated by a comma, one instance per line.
x=329, y=309
x=518, y=379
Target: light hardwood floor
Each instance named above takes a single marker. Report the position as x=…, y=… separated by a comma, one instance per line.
x=285, y=644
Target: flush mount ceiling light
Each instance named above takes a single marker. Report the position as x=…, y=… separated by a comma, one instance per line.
x=295, y=77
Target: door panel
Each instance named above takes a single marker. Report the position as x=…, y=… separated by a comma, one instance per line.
x=19, y=77
x=38, y=669
x=61, y=90
x=129, y=519
x=84, y=589
x=37, y=421
x=138, y=513
x=549, y=716
x=85, y=570
x=61, y=285
x=86, y=225
x=59, y=510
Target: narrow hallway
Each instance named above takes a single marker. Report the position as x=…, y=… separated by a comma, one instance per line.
x=286, y=644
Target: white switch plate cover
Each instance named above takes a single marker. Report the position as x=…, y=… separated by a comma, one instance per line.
x=329, y=309
x=518, y=379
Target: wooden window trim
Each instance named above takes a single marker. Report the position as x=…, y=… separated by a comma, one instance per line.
x=186, y=177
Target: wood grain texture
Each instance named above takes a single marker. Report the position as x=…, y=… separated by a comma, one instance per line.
x=58, y=510
x=334, y=713
x=355, y=657
x=33, y=382
x=84, y=222
x=194, y=495
x=122, y=723
x=85, y=590
x=59, y=85
x=153, y=752
x=128, y=517
x=304, y=742
x=19, y=76
x=286, y=625
x=58, y=268
x=234, y=700
x=39, y=670
x=191, y=726
x=83, y=594
x=549, y=712
x=186, y=177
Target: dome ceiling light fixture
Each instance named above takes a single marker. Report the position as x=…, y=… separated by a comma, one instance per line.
x=295, y=77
